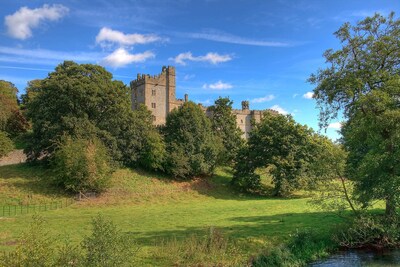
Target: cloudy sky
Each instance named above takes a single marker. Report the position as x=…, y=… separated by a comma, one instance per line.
x=261, y=51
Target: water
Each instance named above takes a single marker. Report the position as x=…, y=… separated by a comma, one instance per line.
x=356, y=258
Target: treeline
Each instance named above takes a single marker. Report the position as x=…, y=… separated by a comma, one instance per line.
x=83, y=126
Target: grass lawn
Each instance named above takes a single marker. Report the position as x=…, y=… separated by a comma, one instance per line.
x=153, y=209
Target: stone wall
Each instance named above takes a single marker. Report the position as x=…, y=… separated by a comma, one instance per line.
x=157, y=92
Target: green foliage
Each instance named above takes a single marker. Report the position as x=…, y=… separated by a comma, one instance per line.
x=146, y=147
x=208, y=250
x=82, y=165
x=31, y=91
x=82, y=100
x=17, y=123
x=224, y=125
x=107, y=246
x=370, y=231
x=6, y=144
x=192, y=149
x=8, y=102
x=34, y=249
x=280, y=144
x=363, y=82
x=302, y=248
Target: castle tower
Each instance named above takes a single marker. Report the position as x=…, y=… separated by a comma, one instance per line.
x=157, y=92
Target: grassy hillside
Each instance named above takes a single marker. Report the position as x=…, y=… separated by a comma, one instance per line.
x=155, y=210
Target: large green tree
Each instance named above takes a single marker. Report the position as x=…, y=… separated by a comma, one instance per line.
x=192, y=148
x=281, y=146
x=224, y=125
x=83, y=100
x=362, y=81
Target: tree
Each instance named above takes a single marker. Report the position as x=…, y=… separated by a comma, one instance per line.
x=281, y=146
x=223, y=123
x=83, y=101
x=82, y=165
x=363, y=82
x=191, y=146
x=8, y=102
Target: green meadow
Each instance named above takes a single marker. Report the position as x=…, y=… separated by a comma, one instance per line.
x=155, y=211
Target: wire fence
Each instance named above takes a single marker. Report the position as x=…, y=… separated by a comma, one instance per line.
x=13, y=210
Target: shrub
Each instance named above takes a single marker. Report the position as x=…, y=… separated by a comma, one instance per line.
x=34, y=248
x=82, y=165
x=370, y=231
x=107, y=246
x=213, y=249
x=6, y=145
x=303, y=247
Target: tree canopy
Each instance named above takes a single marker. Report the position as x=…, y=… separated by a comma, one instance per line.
x=362, y=81
x=223, y=123
x=191, y=146
x=83, y=100
x=281, y=146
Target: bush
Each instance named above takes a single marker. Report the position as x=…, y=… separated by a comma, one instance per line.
x=107, y=246
x=302, y=248
x=6, y=145
x=370, y=231
x=82, y=165
x=34, y=249
x=213, y=249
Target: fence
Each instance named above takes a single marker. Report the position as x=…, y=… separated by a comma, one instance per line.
x=13, y=210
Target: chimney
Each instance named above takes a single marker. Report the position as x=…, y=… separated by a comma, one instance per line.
x=186, y=97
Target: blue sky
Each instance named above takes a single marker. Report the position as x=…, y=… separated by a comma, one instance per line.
x=261, y=51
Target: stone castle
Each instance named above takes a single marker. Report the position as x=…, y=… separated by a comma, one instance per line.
x=157, y=92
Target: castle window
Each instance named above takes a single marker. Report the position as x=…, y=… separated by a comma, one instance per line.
x=153, y=105
x=153, y=92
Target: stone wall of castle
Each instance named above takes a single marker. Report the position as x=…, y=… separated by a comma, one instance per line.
x=157, y=92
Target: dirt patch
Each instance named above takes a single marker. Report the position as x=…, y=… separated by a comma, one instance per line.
x=14, y=157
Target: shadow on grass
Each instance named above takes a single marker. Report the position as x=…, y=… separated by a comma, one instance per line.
x=271, y=227
x=31, y=179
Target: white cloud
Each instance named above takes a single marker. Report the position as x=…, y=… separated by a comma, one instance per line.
x=218, y=86
x=263, y=99
x=20, y=24
x=308, y=95
x=295, y=95
x=121, y=57
x=213, y=58
x=279, y=109
x=335, y=125
x=233, y=39
x=107, y=37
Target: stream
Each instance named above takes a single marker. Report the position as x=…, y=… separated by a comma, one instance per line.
x=355, y=258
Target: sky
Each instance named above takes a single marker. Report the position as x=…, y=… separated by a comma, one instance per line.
x=255, y=50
